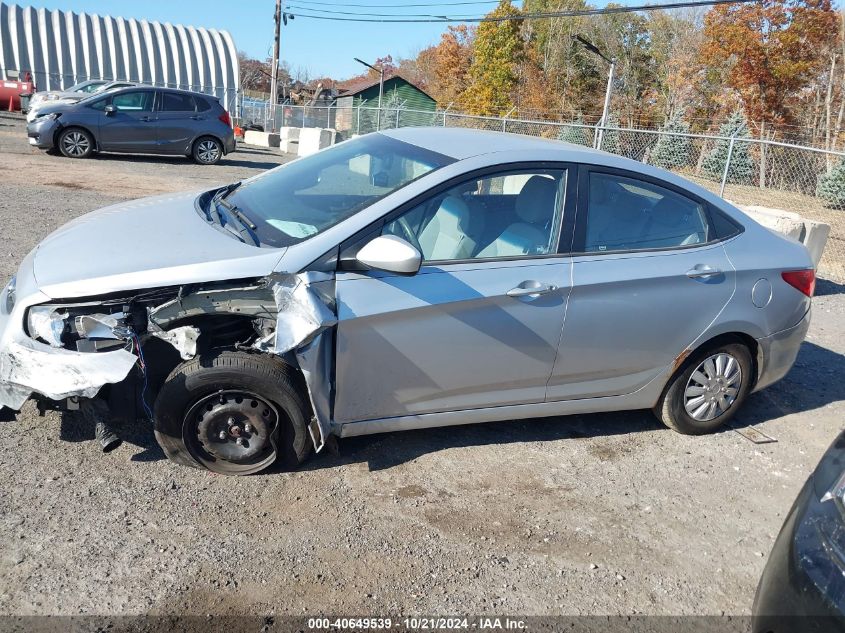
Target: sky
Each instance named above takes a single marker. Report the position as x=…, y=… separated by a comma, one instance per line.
x=322, y=48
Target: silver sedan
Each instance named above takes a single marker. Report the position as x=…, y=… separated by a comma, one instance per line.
x=402, y=280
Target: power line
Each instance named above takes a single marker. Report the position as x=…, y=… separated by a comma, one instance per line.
x=365, y=14
x=392, y=18
x=398, y=6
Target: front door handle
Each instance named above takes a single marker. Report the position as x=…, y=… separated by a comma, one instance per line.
x=531, y=288
x=703, y=271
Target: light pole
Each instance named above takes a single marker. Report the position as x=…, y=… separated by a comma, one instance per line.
x=380, y=72
x=605, y=111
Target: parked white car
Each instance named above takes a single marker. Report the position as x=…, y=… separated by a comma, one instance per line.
x=73, y=94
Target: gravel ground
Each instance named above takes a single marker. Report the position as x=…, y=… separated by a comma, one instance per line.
x=593, y=514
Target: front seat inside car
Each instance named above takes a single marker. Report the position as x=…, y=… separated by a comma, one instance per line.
x=534, y=208
x=445, y=235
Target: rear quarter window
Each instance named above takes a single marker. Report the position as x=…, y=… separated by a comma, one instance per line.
x=202, y=104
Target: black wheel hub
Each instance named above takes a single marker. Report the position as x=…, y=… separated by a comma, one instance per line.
x=233, y=428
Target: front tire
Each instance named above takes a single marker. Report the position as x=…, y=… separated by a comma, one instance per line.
x=75, y=143
x=207, y=151
x=708, y=391
x=233, y=413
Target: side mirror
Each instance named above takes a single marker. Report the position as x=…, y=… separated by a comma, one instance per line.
x=110, y=109
x=391, y=254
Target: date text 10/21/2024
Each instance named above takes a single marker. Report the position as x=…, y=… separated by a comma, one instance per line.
x=417, y=623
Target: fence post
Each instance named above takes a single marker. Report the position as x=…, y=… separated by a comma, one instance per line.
x=505, y=119
x=397, y=117
x=446, y=111
x=329, y=116
x=762, y=155
x=358, y=122
x=727, y=167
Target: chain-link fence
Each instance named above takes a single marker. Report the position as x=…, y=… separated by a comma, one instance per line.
x=746, y=171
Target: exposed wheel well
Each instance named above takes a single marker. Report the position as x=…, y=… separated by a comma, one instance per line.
x=683, y=360
x=211, y=136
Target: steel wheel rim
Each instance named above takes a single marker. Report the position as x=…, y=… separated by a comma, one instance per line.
x=216, y=422
x=208, y=151
x=76, y=144
x=713, y=387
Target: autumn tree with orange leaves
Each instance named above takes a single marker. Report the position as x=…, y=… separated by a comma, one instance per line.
x=450, y=64
x=768, y=51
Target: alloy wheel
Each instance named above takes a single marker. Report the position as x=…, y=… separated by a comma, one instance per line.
x=76, y=144
x=208, y=151
x=713, y=387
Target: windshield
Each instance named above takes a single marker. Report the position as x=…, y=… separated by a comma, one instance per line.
x=296, y=201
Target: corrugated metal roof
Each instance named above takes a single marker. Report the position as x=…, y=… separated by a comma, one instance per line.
x=64, y=48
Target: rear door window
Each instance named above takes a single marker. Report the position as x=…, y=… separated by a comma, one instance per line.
x=628, y=214
x=175, y=102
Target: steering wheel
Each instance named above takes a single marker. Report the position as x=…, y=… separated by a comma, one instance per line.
x=409, y=234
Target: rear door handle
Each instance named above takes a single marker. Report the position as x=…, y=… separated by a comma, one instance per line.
x=703, y=271
x=531, y=288
x=147, y=119
x=198, y=118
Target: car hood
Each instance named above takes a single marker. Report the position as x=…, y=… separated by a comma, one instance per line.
x=43, y=108
x=147, y=243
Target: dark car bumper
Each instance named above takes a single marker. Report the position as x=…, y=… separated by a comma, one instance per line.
x=42, y=131
x=229, y=143
x=803, y=586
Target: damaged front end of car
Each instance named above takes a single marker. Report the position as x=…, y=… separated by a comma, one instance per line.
x=121, y=347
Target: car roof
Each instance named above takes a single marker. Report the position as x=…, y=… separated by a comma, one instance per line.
x=149, y=87
x=461, y=143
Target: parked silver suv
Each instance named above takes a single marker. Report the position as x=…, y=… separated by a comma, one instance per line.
x=143, y=120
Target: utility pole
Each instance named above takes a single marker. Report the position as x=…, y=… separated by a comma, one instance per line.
x=274, y=77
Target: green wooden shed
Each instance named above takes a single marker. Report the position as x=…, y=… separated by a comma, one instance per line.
x=403, y=102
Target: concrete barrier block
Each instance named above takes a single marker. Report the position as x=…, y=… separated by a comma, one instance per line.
x=809, y=232
x=313, y=139
x=261, y=139
x=785, y=222
x=289, y=133
x=815, y=238
x=289, y=146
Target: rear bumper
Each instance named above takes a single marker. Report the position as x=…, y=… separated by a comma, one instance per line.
x=777, y=352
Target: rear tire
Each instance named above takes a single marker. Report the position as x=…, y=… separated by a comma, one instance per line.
x=75, y=142
x=708, y=390
x=233, y=413
x=207, y=151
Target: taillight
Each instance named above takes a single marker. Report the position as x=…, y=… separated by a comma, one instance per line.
x=224, y=118
x=803, y=280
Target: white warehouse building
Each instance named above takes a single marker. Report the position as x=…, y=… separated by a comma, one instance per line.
x=62, y=48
